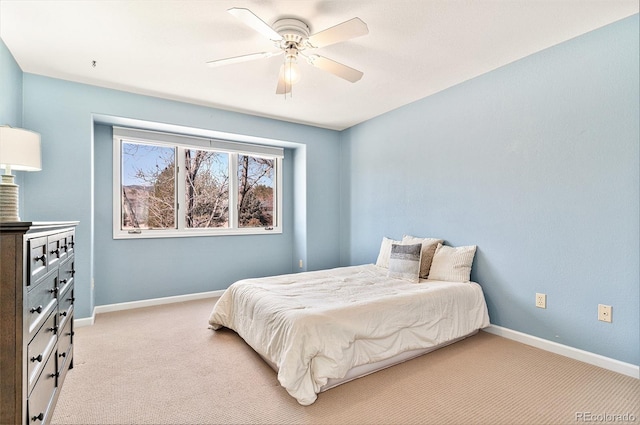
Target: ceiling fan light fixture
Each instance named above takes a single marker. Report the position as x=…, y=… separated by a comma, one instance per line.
x=291, y=71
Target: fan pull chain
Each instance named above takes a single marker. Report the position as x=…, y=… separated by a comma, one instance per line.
x=290, y=83
x=287, y=81
x=284, y=76
x=290, y=86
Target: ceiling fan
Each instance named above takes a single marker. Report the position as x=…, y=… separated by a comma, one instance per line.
x=291, y=37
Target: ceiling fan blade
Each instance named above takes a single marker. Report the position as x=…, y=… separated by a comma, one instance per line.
x=243, y=58
x=335, y=68
x=283, y=87
x=345, y=31
x=251, y=20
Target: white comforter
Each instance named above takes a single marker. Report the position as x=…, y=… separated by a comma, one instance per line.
x=317, y=325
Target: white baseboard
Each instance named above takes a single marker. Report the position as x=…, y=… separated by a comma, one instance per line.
x=86, y=321
x=564, y=350
x=143, y=303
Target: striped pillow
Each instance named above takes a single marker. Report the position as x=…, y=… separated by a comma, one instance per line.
x=452, y=264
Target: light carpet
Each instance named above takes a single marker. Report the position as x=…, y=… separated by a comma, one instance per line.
x=162, y=365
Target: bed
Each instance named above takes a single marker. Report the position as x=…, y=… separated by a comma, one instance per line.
x=322, y=328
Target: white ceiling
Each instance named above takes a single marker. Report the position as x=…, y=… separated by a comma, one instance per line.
x=414, y=48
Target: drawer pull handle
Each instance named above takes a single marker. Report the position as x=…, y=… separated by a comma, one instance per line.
x=63, y=314
x=55, y=251
x=53, y=329
x=63, y=281
x=62, y=355
x=38, y=418
x=37, y=359
x=42, y=258
x=37, y=309
x=53, y=290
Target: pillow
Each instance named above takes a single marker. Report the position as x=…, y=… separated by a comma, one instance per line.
x=404, y=262
x=452, y=264
x=429, y=246
x=385, y=251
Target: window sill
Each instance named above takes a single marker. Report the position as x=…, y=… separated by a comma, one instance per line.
x=155, y=234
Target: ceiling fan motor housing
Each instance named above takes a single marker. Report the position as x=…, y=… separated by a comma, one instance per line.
x=293, y=31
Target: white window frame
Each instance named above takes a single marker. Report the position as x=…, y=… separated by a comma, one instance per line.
x=182, y=142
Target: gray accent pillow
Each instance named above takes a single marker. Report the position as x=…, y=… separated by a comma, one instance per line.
x=404, y=262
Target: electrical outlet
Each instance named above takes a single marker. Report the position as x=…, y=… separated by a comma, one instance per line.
x=300, y=263
x=541, y=300
x=604, y=313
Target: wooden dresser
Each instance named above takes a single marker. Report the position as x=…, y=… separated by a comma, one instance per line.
x=36, y=317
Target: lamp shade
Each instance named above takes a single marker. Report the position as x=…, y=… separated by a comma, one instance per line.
x=19, y=149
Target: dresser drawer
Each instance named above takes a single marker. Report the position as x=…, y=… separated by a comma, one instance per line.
x=37, y=259
x=71, y=241
x=39, y=401
x=66, y=273
x=65, y=349
x=41, y=299
x=56, y=249
x=65, y=306
x=40, y=348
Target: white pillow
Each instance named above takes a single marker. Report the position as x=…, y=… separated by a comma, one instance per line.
x=452, y=264
x=404, y=262
x=385, y=251
x=429, y=246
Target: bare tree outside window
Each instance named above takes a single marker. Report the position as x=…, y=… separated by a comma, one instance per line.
x=148, y=186
x=207, y=189
x=255, y=191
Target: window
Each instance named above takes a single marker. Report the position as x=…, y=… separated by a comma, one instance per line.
x=169, y=185
x=207, y=189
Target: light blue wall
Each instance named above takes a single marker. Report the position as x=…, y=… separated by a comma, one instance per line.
x=11, y=104
x=128, y=270
x=538, y=164
x=10, y=89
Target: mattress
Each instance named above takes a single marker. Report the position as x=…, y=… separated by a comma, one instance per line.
x=315, y=328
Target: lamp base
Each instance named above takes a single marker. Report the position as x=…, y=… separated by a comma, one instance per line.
x=8, y=199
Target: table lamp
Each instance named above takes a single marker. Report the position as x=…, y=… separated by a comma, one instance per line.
x=19, y=150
